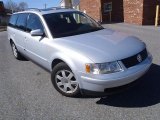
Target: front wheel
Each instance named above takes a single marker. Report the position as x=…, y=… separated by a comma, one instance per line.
x=64, y=80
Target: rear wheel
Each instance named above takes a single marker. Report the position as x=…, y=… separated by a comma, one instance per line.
x=16, y=54
x=64, y=80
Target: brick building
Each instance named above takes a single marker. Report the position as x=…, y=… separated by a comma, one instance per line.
x=4, y=14
x=2, y=9
x=140, y=12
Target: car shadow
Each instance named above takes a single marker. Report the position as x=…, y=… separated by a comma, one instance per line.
x=24, y=59
x=146, y=93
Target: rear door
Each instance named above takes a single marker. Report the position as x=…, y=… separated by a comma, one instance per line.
x=11, y=27
x=20, y=31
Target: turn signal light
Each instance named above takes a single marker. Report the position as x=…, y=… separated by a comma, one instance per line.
x=88, y=69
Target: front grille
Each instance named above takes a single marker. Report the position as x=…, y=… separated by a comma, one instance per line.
x=136, y=59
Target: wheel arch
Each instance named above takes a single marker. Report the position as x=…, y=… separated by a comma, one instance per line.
x=69, y=63
x=59, y=60
x=59, y=57
x=55, y=62
x=11, y=41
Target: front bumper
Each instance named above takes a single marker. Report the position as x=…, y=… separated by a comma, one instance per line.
x=100, y=83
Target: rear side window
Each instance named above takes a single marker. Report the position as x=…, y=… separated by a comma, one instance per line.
x=22, y=21
x=34, y=23
x=13, y=20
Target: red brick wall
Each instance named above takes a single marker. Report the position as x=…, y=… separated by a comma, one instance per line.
x=140, y=12
x=130, y=11
x=133, y=11
x=92, y=8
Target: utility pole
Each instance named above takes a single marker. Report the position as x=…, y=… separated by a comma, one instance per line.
x=45, y=6
x=11, y=6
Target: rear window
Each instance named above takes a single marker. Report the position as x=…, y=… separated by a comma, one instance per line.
x=13, y=19
x=22, y=21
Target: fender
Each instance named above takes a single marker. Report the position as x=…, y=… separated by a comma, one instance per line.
x=68, y=60
x=63, y=57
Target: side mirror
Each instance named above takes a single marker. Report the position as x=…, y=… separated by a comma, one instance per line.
x=37, y=32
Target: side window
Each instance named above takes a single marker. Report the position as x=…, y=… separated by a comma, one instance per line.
x=21, y=22
x=12, y=21
x=34, y=23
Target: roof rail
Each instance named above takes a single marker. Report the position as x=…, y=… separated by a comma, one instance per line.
x=47, y=9
x=66, y=7
x=58, y=8
x=33, y=9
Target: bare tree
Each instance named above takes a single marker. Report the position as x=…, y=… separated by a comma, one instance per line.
x=22, y=6
x=15, y=7
x=11, y=6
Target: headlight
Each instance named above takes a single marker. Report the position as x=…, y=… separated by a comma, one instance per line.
x=103, y=68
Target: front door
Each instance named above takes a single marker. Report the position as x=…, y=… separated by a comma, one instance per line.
x=35, y=45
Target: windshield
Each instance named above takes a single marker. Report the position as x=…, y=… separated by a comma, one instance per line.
x=70, y=23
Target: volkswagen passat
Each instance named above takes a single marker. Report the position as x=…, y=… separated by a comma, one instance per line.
x=81, y=55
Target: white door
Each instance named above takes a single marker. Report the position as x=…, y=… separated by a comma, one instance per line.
x=20, y=31
x=36, y=47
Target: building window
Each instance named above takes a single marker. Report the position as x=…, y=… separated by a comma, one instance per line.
x=107, y=7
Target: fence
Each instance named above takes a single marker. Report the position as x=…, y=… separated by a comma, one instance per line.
x=4, y=20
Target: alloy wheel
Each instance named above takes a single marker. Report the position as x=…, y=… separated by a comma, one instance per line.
x=15, y=52
x=66, y=81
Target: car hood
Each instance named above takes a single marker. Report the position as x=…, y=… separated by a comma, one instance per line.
x=104, y=45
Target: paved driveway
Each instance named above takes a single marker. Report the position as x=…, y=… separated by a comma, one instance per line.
x=26, y=92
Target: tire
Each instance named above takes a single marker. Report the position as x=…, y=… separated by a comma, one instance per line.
x=64, y=81
x=15, y=52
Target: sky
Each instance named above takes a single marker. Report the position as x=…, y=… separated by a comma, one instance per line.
x=38, y=3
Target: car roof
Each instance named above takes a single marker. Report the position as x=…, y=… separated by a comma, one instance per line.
x=47, y=11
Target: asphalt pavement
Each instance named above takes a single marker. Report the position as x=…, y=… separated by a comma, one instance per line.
x=26, y=91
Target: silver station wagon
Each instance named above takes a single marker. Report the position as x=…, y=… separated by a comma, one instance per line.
x=81, y=55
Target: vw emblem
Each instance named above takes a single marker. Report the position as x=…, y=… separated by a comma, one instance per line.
x=139, y=58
